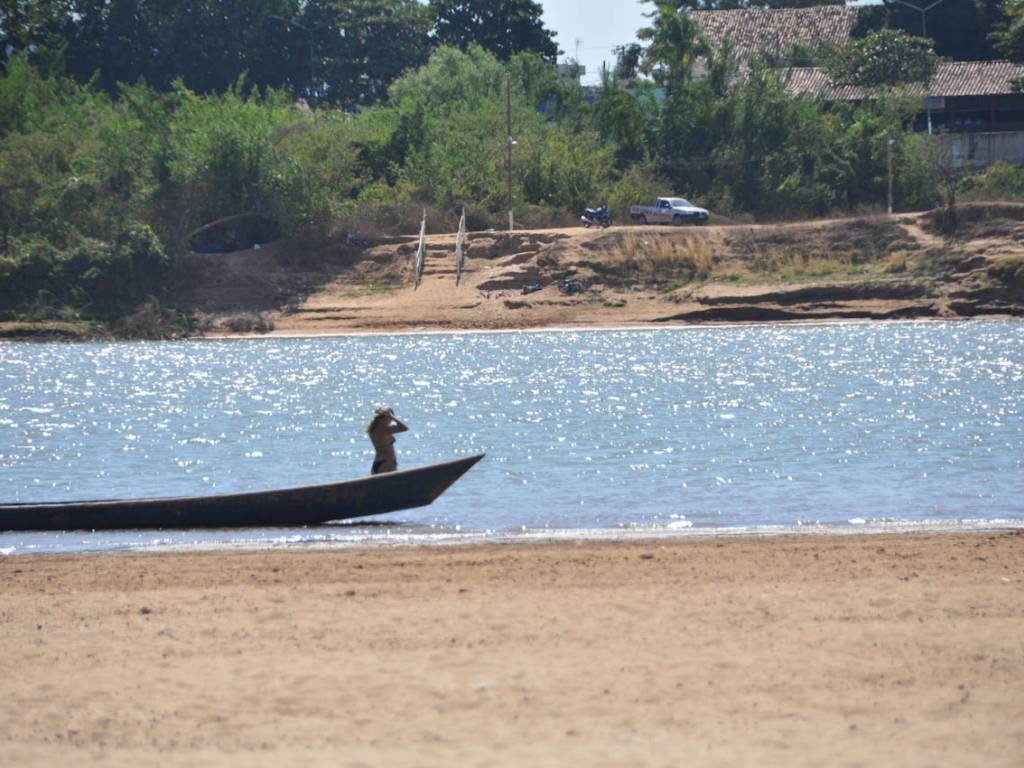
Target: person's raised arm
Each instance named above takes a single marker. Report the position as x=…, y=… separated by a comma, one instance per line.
x=397, y=425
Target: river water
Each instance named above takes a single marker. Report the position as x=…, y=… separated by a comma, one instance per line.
x=753, y=428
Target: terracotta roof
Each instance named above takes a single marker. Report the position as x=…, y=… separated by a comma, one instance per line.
x=812, y=81
x=951, y=79
x=777, y=30
x=974, y=78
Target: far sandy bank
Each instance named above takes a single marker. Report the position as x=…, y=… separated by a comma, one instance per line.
x=867, y=268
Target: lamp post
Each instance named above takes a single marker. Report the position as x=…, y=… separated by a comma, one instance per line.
x=888, y=158
x=511, y=143
x=923, y=10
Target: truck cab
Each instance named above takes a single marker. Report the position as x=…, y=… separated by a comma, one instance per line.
x=669, y=210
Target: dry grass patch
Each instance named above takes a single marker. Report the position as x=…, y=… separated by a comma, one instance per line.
x=661, y=255
x=785, y=264
x=841, y=248
x=789, y=263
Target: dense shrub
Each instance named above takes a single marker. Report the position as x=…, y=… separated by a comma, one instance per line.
x=106, y=279
x=1001, y=181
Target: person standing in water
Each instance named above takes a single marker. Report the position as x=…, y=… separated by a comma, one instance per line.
x=382, y=430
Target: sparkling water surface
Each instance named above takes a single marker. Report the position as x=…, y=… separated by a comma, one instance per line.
x=585, y=432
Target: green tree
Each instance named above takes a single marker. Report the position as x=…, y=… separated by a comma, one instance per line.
x=457, y=102
x=959, y=29
x=223, y=151
x=27, y=24
x=503, y=27
x=885, y=57
x=673, y=44
x=362, y=46
x=627, y=62
x=208, y=44
x=1008, y=34
x=625, y=119
x=345, y=52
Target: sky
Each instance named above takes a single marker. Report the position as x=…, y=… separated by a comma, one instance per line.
x=600, y=25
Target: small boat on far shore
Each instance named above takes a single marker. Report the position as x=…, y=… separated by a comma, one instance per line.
x=310, y=505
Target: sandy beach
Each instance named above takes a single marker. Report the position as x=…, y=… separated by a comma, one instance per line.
x=860, y=650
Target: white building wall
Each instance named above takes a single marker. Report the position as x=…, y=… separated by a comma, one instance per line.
x=974, y=151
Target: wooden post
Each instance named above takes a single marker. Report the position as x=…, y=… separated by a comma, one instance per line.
x=460, y=253
x=421, y=252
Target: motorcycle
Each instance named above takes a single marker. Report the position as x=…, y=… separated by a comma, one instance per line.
x=596, y=217
x=571, y=287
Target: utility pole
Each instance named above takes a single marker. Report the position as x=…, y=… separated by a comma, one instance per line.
x=511, y=143
x=888, y=157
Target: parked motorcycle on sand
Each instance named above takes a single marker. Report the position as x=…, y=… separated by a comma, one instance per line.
x=596, y=217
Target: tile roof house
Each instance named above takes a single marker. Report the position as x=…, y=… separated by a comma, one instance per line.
x=973, y=102
x=962, y=96
x=777, y=31
x=952, y=79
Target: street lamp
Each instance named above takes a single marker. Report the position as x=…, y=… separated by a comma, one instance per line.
x=511, y=143
x=922, y=10
x=888, y=157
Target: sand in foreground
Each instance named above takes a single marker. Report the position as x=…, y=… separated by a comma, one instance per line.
x=901, y=650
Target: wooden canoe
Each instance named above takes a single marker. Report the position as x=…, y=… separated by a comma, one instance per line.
x=311, y=505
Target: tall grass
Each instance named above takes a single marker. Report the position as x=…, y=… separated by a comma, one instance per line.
x=664, y=255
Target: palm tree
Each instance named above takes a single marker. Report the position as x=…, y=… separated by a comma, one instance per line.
x=674, y=43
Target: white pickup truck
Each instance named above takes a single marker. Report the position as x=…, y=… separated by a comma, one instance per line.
x=669, y=210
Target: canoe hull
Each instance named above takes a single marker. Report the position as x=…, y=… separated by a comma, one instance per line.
x=375, y=495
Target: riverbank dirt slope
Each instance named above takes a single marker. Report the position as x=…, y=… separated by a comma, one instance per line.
x=877, y=267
